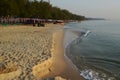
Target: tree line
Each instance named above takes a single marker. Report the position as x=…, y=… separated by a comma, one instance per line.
x=35, y=9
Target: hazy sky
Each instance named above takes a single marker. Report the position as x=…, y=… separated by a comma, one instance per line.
x=109, y=9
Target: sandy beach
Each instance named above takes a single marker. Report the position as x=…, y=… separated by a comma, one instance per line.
x=34, y=53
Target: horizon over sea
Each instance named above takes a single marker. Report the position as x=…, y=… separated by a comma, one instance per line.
x=97, y=52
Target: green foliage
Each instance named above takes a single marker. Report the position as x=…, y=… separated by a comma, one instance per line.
x=35, y=8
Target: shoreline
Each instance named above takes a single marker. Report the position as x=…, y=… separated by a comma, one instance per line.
x=61, y=64
x=69, y=70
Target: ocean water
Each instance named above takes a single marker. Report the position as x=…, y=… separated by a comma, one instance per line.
x=96, y=52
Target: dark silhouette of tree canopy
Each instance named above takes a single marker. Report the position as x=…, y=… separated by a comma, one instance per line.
x=35, y=8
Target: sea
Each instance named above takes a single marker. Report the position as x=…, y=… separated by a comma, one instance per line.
x=94, y=47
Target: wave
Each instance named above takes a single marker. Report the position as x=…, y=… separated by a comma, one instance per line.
x=90, y=74
x=81, y=35
x=87, y=33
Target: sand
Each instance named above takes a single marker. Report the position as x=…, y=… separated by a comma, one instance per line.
x=21, y=48
x=34, y=53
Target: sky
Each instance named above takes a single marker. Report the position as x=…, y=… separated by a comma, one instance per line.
x=109, y=9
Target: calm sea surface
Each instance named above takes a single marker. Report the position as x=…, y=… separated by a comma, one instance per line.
x=97, y=54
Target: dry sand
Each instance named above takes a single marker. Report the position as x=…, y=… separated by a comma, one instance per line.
x=21, y=48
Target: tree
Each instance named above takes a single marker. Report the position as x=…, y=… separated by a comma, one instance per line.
x=35, y=8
